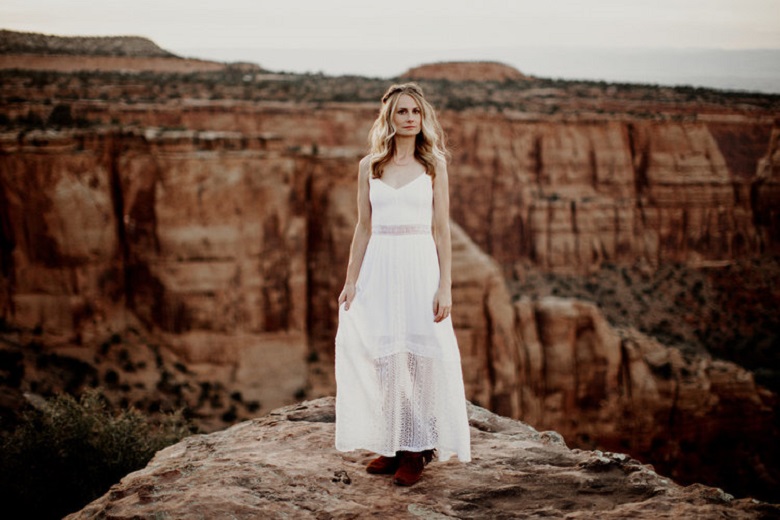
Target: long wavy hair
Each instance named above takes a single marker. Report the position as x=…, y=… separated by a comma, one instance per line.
x=430, y=146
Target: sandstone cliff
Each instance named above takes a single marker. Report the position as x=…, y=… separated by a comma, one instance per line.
x=564, y=196
x=204, y=220
x=284, y=465
x=569, y=197
x=226, y=246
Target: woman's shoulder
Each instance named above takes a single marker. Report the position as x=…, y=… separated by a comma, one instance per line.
x=365, y=162
x=364, y=167
x=441, y=167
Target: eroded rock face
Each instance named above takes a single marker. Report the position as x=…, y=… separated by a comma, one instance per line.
x=284, y=465
x=570, y=197
x=563, y=194
x=621, y=390
x=204, y=249
x=230, y=246
x=558, y=364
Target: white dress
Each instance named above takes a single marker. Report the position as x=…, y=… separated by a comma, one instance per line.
x=398, y=373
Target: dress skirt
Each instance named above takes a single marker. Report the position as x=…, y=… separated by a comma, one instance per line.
x=398, y=373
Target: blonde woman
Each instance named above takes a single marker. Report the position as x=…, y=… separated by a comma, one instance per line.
x=399, y=382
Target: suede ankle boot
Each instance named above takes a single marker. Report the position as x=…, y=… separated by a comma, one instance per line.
x=410, y=468
x=383, y=465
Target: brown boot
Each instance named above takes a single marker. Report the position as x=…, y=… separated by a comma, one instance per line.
x=383, y=465
x=410, y=469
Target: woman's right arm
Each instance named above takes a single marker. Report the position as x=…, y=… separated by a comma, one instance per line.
x=361, y=236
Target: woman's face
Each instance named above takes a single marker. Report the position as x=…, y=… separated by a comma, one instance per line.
x=407, y=117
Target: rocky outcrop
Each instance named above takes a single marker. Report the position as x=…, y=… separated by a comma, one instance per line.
x=465, y=71
x=284, y=465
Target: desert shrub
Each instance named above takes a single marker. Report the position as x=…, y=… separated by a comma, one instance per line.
x=60, y=116
x=66, y=452
x=31, y=120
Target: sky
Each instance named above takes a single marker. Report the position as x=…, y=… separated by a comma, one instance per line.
x=553, y=38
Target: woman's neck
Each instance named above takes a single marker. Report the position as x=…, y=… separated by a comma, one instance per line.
x=404, y=148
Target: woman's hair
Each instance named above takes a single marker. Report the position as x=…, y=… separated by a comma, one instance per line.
x=430, y=146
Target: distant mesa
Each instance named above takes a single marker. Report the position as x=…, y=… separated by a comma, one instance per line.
x=35, y=51
x=466, y=71
x=13, y=42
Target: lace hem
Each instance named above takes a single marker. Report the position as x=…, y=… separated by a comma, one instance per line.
x=402, y=229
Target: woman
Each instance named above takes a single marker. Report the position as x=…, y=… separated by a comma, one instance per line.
x=400, y=388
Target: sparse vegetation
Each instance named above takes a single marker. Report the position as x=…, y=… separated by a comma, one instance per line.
x=67, y=452
x=542, y=97
x=729, y=312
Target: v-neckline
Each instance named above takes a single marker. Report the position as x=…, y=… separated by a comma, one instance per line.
x=403, y=185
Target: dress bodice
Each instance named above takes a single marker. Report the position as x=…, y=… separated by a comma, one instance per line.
x=411, y=204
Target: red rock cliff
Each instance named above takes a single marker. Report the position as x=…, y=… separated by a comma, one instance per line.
x=562, y=194
x=231, y=246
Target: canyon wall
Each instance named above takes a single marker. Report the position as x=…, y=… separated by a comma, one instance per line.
x=228, y=242
x=201, y=241
x=570, y=197
x=561, y=195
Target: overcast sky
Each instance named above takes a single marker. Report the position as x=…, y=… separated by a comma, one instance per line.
x=375, y=37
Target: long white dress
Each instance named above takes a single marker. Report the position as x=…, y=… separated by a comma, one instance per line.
x=398, y=374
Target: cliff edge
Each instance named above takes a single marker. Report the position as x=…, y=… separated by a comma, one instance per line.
x=283, y=465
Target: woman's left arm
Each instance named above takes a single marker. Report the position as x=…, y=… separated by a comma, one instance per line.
x=442, y=301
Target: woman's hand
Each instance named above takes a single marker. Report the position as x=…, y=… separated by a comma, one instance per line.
x=347, y=295
x=442, y=304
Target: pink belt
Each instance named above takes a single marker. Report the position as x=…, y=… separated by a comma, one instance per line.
x=402, y=229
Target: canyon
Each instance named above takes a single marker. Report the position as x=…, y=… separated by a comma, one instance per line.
x=206, y=236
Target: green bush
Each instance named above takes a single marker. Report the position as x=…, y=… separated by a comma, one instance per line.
x=67, y=452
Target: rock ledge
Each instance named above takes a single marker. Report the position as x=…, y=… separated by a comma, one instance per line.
x=283, y=465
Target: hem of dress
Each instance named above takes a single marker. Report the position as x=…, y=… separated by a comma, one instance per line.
x=443, y=454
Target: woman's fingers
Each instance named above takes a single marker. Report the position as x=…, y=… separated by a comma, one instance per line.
x=346, y=298
x=440, y=312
